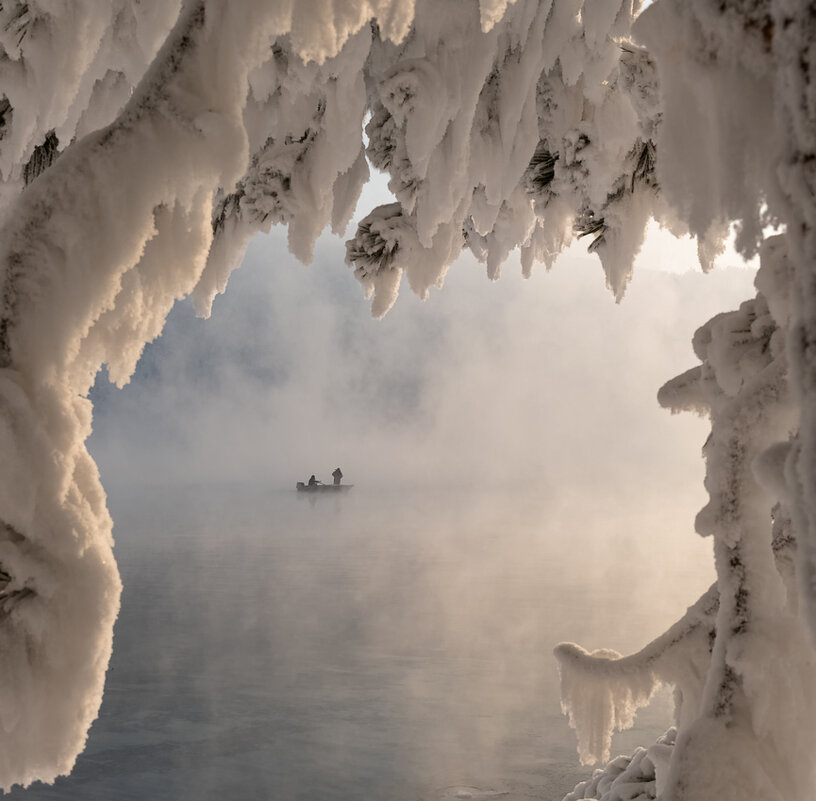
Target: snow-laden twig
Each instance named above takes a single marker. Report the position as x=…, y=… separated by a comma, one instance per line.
x=601, y=691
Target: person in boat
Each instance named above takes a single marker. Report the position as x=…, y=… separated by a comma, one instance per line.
x=313, y=482
x=337, y=475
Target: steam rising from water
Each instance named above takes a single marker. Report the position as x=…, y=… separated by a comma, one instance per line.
x=517, y=485
x=387, y=644
x=543, y=382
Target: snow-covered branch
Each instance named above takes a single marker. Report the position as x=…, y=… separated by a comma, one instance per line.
x=142, y=145
x=93, y=254
x=602, y=691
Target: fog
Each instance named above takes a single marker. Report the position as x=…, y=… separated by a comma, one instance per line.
x=392, y=645
x=516, y=484
x=538, y=382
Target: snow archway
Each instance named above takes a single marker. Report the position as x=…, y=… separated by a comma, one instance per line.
x=142, y=145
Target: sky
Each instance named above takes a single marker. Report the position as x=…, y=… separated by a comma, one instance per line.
x=545, y=381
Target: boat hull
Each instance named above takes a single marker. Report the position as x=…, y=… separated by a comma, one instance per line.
x=301, y=487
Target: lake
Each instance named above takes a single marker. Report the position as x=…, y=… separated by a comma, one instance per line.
x=392, y=646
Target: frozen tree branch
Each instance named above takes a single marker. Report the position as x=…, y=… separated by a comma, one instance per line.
x=142, y=145
x=602, y=691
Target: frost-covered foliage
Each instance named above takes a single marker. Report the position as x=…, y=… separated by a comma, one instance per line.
x=602, y=691
x=639, y=777
x=143, y=144
x=517, y=136
x=736, y=141
x=94, y=252
x=745, y=681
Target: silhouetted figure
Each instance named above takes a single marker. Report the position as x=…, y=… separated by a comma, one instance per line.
x=337, y=475
x=313, y=482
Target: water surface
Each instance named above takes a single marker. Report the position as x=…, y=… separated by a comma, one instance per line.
x=393, y=646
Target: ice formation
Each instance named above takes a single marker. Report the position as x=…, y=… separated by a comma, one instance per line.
x=639, y=777
x=143, y=144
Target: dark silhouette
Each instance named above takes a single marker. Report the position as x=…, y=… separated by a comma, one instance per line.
x=314, y=485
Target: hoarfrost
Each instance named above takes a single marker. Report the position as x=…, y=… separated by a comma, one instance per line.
x=141, y=147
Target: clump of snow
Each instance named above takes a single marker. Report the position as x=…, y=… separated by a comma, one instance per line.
x=464, y=114
x=602, y=691
x=598, y=700
x=69, y=68
x=637, y=777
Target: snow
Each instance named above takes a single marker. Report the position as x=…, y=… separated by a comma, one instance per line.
x=602, y=691
x=638, y=777
x=183, y=129
x=759, y=640
x=598, y=708
x=85, y=280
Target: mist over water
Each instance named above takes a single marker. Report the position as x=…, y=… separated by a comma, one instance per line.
x=516, y=485
x=381, y=644
x=544, y=380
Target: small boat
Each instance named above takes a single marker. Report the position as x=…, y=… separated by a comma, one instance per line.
x=303, y=487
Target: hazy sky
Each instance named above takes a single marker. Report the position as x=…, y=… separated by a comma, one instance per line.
x=542, y=381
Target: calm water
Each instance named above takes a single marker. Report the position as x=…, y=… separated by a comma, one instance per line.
x=388, y=647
